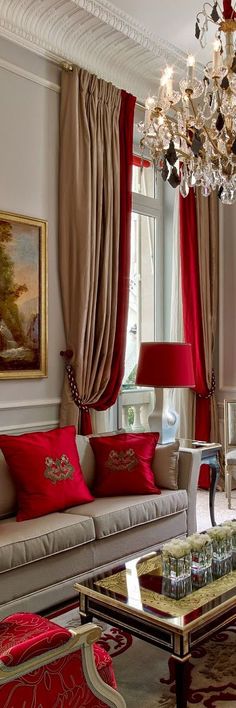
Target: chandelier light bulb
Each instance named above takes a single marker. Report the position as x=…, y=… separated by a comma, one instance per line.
x=168, y=73
x=169, y=85
x=216, y=62
x=162, y=89
x=190, y=68
x=150, y=103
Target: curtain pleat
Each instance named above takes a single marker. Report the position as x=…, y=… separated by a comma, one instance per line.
x=199, y=259
x=110, y=394
x=208, y=254
x=89, y=235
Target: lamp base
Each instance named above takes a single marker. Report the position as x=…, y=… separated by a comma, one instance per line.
x=162, y=420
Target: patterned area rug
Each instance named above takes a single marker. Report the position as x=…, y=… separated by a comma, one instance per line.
x=145, y=674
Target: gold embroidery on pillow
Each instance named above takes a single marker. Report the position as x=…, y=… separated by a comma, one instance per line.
x=58, y=469
x=123, y=460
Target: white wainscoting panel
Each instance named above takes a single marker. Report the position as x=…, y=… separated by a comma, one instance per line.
x=18, y=417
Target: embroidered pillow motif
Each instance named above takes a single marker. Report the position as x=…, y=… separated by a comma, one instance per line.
x=46, y=470
x=123, y=464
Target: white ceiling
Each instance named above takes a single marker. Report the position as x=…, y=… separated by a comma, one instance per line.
x=127, y=42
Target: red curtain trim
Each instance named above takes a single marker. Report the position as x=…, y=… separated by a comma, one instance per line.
x=192, y=317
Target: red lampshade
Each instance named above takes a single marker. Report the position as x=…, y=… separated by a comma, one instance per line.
x=165, y=365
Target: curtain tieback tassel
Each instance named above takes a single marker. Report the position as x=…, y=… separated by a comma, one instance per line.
x=211, y=391
x=72, y=382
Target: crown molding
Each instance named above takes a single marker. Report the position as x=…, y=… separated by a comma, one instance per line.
x=93, y=34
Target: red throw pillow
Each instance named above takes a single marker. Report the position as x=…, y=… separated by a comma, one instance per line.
x=123, y=464
x=46, y=471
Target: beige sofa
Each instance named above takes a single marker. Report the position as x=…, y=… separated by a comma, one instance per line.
x=40, y=559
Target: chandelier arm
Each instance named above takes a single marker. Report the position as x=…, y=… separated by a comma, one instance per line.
x=180, y=135
x=192, y=106
x=205, y=129
x=181, y=153
x=230, y=91
x=185, y=137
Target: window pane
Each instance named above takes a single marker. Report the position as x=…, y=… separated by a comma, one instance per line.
x=143, y=177
x=141, y=295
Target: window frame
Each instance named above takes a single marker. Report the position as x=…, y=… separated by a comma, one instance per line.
x=153, y=207
x=150, y=207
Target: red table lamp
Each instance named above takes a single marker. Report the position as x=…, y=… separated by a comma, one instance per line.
x=165, y=365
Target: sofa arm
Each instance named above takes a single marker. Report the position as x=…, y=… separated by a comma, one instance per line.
x=189, y=467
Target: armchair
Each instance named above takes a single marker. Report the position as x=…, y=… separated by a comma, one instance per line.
x=47, y=665
x=229, y=446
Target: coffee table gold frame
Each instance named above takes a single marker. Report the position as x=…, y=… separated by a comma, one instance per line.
x=130, y=597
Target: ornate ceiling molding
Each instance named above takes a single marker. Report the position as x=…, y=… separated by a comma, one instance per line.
x=93, y=34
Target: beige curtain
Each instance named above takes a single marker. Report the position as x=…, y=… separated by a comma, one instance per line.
x=208, y=253
x=89, y=209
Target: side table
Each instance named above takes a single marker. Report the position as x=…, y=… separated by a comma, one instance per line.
x=209, y=456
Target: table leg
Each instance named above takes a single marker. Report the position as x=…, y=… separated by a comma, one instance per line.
x=215, y=473
x=181, y=680
x=85, y=615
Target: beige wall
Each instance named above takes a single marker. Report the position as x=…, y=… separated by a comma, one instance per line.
x=29, y=185
x=226, y=375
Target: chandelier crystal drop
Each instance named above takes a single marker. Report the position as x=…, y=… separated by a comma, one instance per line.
x=191, y=133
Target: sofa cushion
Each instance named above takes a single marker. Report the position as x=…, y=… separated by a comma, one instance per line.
x=46, y=470
x=87, y=459
x=123, y=464
x=32, y=540
x=8, y=492
x=115, y=514
x=165, y=465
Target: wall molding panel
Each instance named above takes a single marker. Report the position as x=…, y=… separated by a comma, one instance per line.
x=29, y=75
x=33, y=415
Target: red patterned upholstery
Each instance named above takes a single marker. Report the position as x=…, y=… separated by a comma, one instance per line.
x=24, y=635
x=58, y=684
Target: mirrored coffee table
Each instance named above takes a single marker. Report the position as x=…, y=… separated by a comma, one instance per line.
x=130, y=597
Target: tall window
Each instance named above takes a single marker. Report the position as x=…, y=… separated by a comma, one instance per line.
x=145, y=319
x=146, y=296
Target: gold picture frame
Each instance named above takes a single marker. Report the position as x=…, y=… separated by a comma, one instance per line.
x=23, y=297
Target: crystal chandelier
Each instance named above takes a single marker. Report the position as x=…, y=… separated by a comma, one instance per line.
x=197, y=124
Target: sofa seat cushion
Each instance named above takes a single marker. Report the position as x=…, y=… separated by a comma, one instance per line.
x=39, y=538
x=115, y=514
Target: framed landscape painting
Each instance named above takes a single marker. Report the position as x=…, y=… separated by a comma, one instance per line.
x=23, y=297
